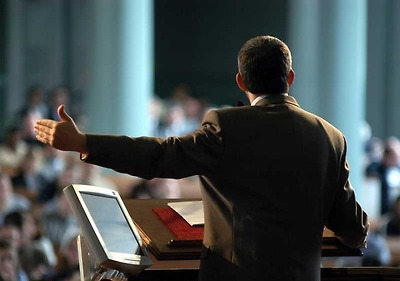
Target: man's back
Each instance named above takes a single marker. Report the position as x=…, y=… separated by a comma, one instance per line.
x=268, y=199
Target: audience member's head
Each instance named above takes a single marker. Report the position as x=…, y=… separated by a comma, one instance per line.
x=6, y=191
x=9, y=263
x=35, y=95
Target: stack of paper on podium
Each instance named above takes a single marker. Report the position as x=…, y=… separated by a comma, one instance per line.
x=191, y=211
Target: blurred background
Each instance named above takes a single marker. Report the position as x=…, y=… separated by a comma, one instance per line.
x=153, y=67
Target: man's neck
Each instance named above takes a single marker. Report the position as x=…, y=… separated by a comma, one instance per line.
x=260, y=97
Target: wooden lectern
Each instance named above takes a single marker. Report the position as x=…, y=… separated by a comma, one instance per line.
x=180, y=261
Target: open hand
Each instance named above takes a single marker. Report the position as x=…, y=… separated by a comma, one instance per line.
x=62, y=135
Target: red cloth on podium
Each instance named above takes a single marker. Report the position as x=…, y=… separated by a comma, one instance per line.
x=179, y=227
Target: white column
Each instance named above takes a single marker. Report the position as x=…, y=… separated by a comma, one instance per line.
x=121, y=71
x=136, y=80
x=328, y=39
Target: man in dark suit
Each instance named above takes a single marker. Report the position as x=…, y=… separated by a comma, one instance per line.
x=273, y=175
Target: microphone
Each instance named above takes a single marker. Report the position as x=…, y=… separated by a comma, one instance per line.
x=239, y=103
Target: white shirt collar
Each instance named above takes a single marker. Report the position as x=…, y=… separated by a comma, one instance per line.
x=257, y=99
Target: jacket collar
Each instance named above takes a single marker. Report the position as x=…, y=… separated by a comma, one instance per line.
x=277, y=99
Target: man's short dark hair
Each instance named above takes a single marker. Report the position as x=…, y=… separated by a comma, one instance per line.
x=264, y=63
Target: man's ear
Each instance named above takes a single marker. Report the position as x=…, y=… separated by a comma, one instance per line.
x=239, y=82
x=291, y=77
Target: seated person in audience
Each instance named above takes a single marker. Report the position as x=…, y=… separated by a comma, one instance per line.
x=32, y=259
x=58, y=96
x=373, y=156
x=67, y=267
x=29, y=180
x=11, y=234
x=377, y=253
x=393, y=224
x=57, y=218
x=10, y=269
x=32, y=236
x=71, y=173
x=387, y=170
x=52, y=163
x=9, y=200
x=34, y=108
x=35, y=264
x=12, y=151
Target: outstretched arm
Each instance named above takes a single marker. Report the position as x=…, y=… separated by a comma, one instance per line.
x=62, y=135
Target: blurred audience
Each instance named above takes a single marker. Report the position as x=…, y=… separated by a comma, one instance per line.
x=377, y=253
x=32, y=233
x=374, y=148
x=52, y=163
x=387, y=169
x=34, y=108
x=11, y=234
x=93, y=175
x=56, y=213
x=35, y=261
x=393, y=222
x=67, y=267
x=10, y=268
x=12, y=150
x=29, y=180
x=71, y=173
x=156, y=188
x=9, y=200
x=58, y=96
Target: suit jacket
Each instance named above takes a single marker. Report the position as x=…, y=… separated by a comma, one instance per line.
x=273, y=175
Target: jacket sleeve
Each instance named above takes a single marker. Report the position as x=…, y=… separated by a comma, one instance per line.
x=346, y=217
x=148, y=157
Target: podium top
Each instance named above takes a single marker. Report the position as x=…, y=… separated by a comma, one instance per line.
x=165, y=245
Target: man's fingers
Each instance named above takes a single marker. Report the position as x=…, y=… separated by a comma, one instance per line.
x=41, y=139
x=46, y=123
x=42, y=129
x=42, y=132
x=43, y=136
